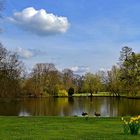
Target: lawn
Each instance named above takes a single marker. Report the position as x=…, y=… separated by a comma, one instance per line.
x=106, y=94
x=88, y=94
x=62, y=128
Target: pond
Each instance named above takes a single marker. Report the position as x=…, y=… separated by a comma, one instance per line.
x=106, y=106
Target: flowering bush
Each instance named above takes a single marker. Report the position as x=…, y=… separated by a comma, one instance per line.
x=132, y=125
x=62, y=93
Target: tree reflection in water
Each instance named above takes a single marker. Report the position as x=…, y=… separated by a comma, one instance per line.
x=106, y=106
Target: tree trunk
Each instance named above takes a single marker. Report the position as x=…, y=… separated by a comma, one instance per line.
x=91, y=94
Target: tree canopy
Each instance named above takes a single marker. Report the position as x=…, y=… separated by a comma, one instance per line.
x=46, y=80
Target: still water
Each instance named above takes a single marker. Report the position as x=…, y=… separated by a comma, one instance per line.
x=106, y=106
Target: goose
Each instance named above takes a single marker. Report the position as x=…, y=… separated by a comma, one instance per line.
x=97, y=114
x=84, y=114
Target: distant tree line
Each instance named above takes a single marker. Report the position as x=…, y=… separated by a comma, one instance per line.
x=45, y=79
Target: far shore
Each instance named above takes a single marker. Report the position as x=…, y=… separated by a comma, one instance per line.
x=100, y=94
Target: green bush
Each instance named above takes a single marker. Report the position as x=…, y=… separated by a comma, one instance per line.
x=62, y=93
x=71, y=91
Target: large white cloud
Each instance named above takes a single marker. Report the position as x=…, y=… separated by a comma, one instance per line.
x=40, y=22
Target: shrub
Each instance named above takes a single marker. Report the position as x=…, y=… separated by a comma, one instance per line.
x=71, y=91
x=62, y=93
x=132, y=125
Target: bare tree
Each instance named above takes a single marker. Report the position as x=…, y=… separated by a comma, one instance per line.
x=114, y=83
x=10, y=72
x=67, y=78
x=45, y=78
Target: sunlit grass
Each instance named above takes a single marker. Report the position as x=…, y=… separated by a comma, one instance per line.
x=62, y=128
x=105, y=94
x=88, y=94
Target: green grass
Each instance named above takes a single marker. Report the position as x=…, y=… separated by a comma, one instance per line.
x=62, y=128
x=88, y=94
x=106, y=94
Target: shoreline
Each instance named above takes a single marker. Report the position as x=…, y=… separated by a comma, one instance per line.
x=74, y=96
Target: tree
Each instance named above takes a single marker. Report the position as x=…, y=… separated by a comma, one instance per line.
x=92, y=83
x=45, y=79
x=78, y=82
x=68, y=78
x=114, y=83
x=71, y=91
x=124, y=54
x=53, y=83
x=130, y=71
x=103, y=74
x=10, y=73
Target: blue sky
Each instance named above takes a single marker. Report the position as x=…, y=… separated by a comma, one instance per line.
x=88, y=38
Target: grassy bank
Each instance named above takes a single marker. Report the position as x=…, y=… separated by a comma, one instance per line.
x=62, y=128
x=106, y=94
x=102, y=94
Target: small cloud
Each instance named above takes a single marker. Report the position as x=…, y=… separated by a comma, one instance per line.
x=28, y=53
x=40, y=22
x=80, y=69
x=104, y=69
x=37, y=52
x=24, y=53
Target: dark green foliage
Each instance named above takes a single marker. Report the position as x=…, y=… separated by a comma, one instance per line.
x=71, y=91
x=130, y=71
x=124, y=78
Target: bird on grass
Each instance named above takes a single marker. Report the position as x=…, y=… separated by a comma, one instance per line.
x=97, y=114
x=84, y=114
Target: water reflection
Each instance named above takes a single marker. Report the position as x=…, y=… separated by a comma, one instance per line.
x=106, y=106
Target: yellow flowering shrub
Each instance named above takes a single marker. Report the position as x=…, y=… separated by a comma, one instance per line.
x=62, y=93
x=132, y=125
